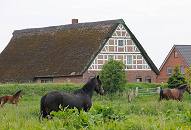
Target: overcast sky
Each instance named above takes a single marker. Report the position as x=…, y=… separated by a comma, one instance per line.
x=157, y=24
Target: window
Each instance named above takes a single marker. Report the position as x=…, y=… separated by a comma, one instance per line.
x=175, y=54
x=139, y=79
x=129, y=59
x=46, y=80
x=139, y=56
x=182, y=69
x=169, y=70
x=120, y=43
x=148, y=79
x=129, y=67
x=110, y=57
x=136, y=49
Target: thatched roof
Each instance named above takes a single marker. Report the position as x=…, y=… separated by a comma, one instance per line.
x=55, y=51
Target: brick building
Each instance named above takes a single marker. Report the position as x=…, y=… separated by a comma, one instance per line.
x=73, y=53
x=179, y=55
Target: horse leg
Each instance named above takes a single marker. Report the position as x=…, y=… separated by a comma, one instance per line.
x=160, y=98
x=2, y=103
x=180, y=99
x=48, y=116
x=16, y=103
x=45, y=113
x=87, y=107
x=161, y=95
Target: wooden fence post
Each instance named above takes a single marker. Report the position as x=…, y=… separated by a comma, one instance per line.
x=129, y=95
x=158, y=89
x=136, y=91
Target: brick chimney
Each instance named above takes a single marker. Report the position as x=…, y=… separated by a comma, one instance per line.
x=74, y=21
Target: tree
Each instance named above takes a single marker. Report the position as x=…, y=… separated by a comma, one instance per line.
x=113, y=76
x=188, y=75
x=176, y=79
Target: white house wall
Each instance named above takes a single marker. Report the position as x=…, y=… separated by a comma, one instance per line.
x=120, y=47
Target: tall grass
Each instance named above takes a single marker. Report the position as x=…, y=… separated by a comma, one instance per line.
x=37, y=89
x=108, y=112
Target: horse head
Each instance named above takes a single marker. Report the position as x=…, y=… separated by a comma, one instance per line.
x=188, y=89
x=185, y=87
x=98, y=88
x=18, y=93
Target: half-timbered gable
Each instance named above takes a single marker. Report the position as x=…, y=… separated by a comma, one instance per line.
x=120, y=47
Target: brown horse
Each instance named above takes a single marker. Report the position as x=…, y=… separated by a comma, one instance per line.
x=13, y=99
x=174, y=94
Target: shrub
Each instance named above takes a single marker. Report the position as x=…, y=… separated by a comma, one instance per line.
x=113, y=76
x=188, y=75
x=176, y=79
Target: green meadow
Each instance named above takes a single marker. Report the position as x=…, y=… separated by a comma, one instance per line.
x=109, y=112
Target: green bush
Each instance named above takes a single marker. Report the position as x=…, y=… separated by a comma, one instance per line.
x=176, y=79
x=112, y=76
x=74, y=119
x=188, y=75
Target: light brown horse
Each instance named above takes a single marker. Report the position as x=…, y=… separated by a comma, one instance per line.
x=13, y=99
x=174, y=94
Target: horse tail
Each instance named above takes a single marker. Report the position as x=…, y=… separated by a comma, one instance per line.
x=43, y=112
x=0, y=100
x=161, y=94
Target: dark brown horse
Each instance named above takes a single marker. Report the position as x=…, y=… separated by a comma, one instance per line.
x=14, y=99
x=81, y=99
x=175, y=94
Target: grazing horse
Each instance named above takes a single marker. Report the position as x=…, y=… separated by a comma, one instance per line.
x=175, y=94
x=14, y=99
x=81, y=99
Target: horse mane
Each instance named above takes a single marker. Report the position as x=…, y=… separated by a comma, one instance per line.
x=85, y=88
x=17, y=93
x=183, y=86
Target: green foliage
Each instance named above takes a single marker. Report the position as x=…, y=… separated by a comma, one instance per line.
x=188, y=75
x=107, y=113
x=72, y=118
x=37, y=89
x=112, y=76
x=176, y=79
